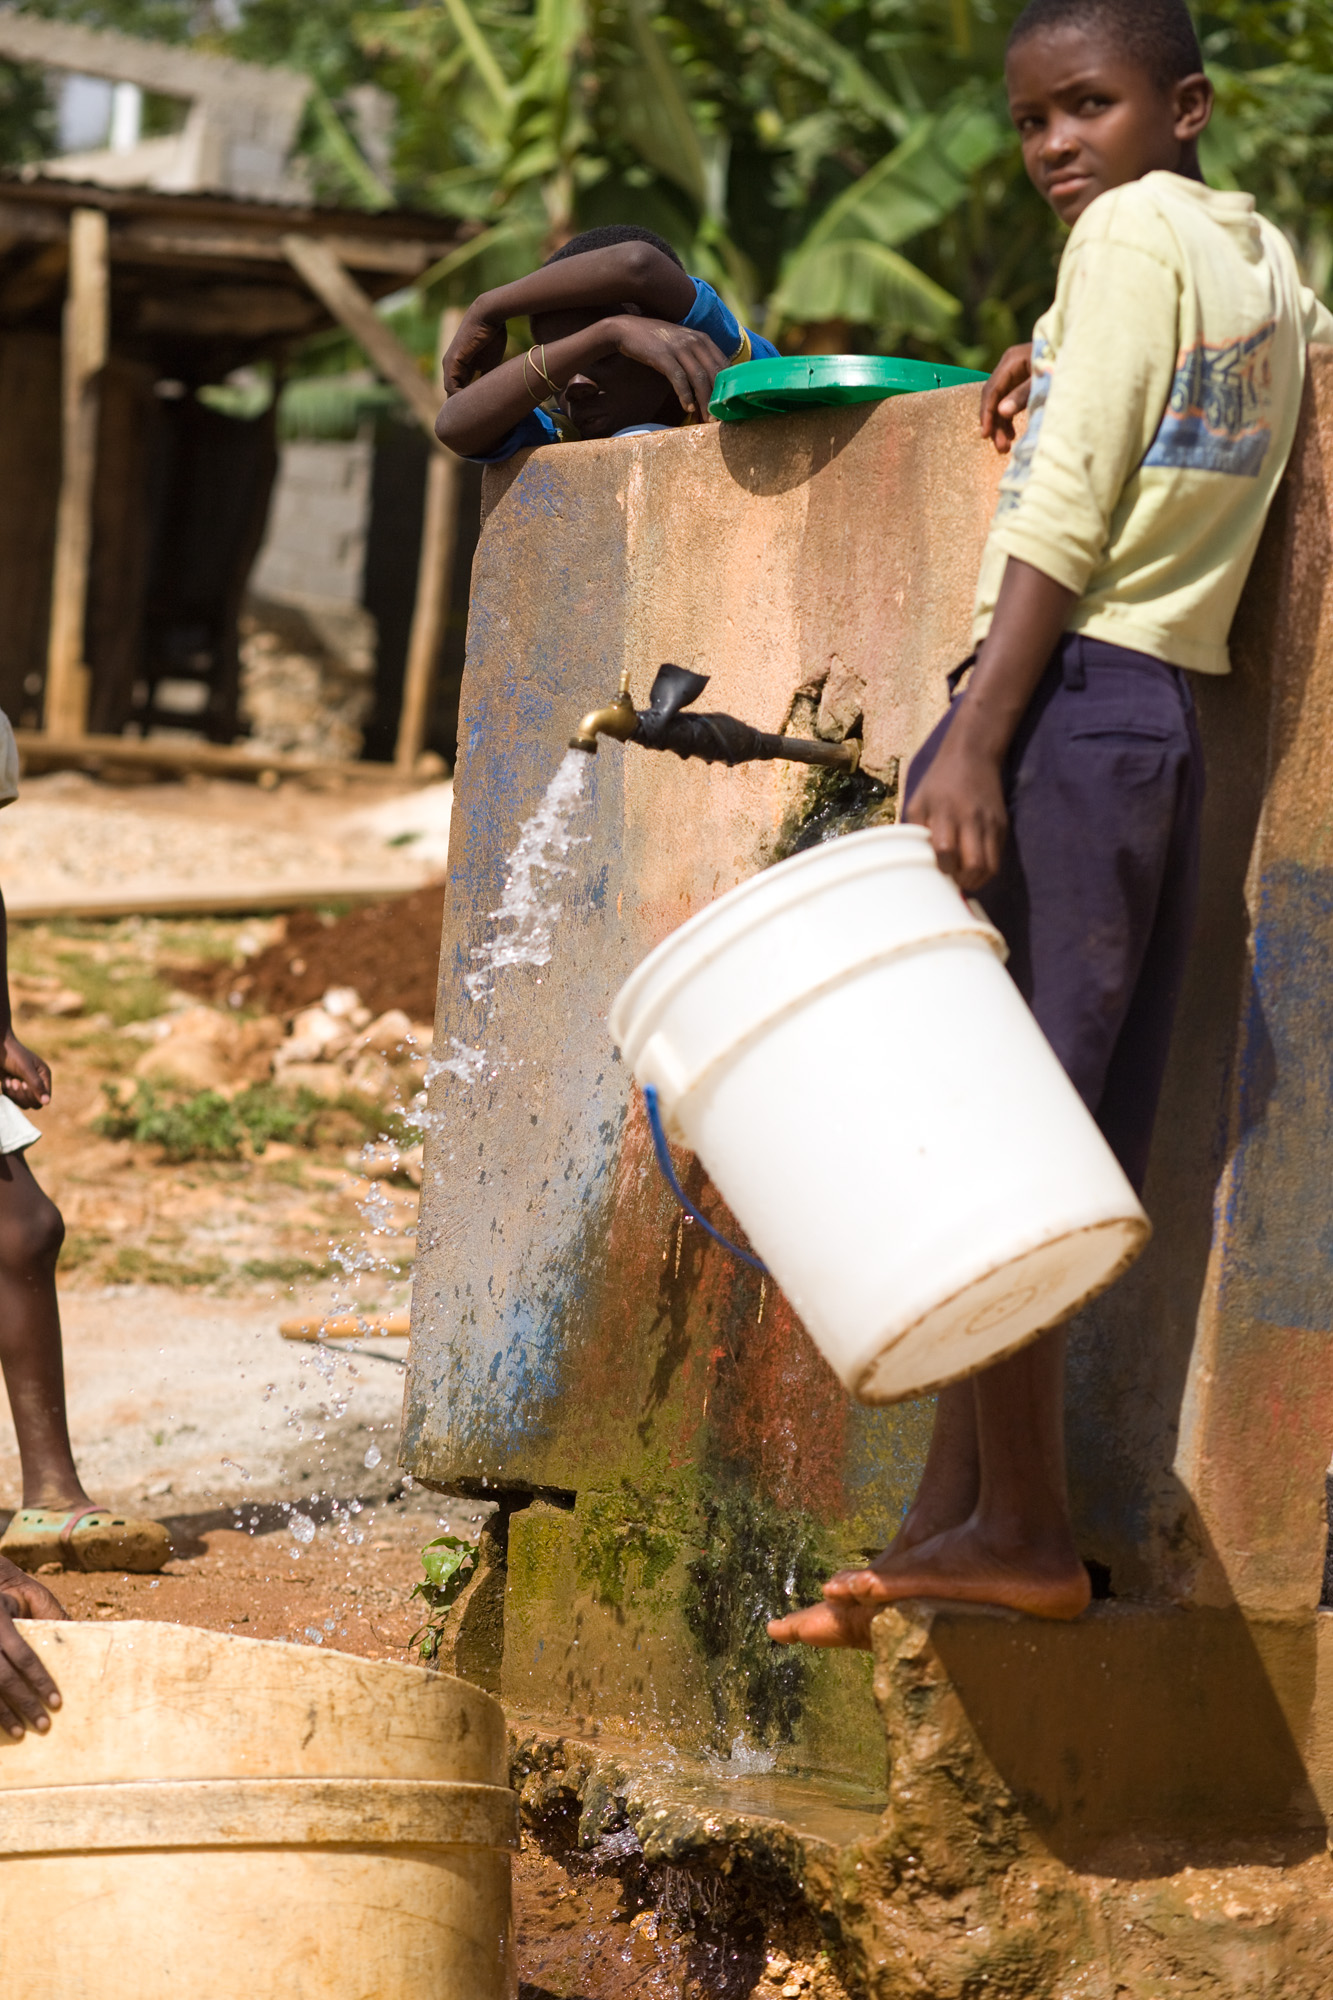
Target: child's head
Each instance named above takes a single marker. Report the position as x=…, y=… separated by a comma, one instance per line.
x=1104, y=91
x=620, y=392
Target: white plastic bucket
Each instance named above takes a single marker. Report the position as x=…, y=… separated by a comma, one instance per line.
x=839, y=1042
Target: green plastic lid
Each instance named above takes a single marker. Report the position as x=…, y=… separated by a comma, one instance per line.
x=813, y=381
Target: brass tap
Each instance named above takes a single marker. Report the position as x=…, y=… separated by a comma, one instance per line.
x=619, y=719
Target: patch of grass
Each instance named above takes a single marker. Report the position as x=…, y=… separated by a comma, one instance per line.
x=126, y=989
x=202, y=1127
x=208, y=1126
x=81, y=1246
x=133, y=1266
x=110, y=1052
x=289, y=1270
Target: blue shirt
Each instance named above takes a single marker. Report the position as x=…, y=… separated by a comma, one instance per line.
x=707, y=315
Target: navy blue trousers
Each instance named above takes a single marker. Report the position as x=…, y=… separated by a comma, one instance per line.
x=1097, y=891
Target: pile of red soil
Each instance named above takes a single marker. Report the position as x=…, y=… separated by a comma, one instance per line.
x=389, y=951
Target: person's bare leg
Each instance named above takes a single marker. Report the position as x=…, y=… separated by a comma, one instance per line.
x=950, y=1482
x=31, y=1233
x=1016, y=1550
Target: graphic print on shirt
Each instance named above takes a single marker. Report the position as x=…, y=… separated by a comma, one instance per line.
x=1019, y=469
x=1219, y=413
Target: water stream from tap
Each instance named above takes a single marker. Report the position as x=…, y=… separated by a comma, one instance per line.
x=526, y=918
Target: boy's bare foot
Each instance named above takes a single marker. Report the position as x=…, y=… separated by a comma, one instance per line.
x=826, y=1625
x=963, y=1566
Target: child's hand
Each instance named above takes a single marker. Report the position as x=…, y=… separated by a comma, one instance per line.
x=1005, y=395
x=27, y=1691
x=689, y=360
x=477, y=347
x=961, y=803
x=24, y=1077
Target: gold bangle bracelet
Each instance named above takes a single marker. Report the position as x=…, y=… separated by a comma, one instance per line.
x=540, y=367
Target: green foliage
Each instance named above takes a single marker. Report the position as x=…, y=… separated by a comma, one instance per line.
x=846, y=175
x=449, y=1563
x=208, y=1126
x=132, y=1265
x=203, y=1127
x=27, y=124
x=124, y=988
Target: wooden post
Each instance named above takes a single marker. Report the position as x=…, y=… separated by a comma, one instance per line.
x=439, y=536
x=334, y=286
x=84, y=352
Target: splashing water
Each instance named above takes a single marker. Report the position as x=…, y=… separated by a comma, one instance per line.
x=525, y=919
x=745, y=1761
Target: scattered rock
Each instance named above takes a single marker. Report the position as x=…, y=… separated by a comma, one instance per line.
x=316, y=1036
x=307, y=675
x=390, y=1033
x=201, y=1048
x=33, y=994
x=344, y=1003
x=322, y=1079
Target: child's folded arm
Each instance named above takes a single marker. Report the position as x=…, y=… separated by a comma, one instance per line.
x=625, y=274
x=1093, y=417
x=479, y=421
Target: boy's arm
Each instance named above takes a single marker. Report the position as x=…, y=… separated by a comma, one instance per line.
x=626, y=274
x=961, y=797
x=476, y=418
x=24, y=1077
x=1094, y=414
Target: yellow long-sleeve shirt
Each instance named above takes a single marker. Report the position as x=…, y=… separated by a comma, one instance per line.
x=1166, y=382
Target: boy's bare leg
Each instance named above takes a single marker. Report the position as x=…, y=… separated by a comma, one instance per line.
x=31, y=1233
x=950, y=1483
x=947, y=1495
x=1017, y=1547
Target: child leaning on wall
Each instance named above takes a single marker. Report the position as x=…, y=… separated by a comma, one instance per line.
x=1064, y=786
x=623, y=341
x=57, y=1522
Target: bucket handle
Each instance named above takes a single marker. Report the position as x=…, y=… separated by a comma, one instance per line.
x=669, y=1176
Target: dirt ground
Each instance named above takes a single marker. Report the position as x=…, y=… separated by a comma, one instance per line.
x=273, y=1462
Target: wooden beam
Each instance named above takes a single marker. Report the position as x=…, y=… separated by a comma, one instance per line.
x=328, y=278
x=160, y=239
x=41, y=751
x=84, y=353
x=156, y=238
x=251, y=312
x=439, y=536
x=160, y=898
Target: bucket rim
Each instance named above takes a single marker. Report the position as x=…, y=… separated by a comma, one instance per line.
x=733, y=915
x=1132, y=1219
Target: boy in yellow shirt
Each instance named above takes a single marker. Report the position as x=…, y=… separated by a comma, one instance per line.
x=1065, y=784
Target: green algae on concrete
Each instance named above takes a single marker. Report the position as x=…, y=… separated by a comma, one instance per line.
x=643, y=1613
